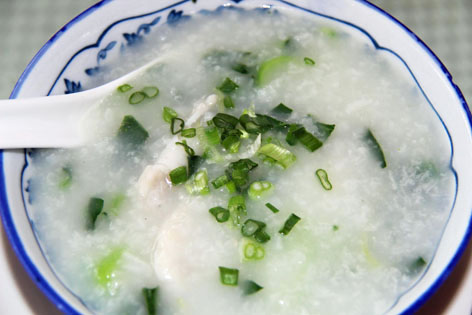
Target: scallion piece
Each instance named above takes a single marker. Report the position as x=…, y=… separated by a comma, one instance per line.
x=124, y=88
x=198, y=183
x=272, y=207
x=174, y=121
x=231, y=187
x=272, y=68
x=250, y=287
x=221, y=214
x=106, y=267
x=238, y=172
x=323, y=177
x=323, y=130
x=375, y=147
x=241, y=68
x=231, y=143
x=95, y=207
x=289, y=224
x=150, y=91
x=65, y=179
x=261, y=236
x=282, y=110
x=131, y=132
x=193, y=162
x=220, y=181
x=178, y=175
x=335, y=228
x=260, y=189
x=283, y=156
x=116, y=203
x=291, y=138
x=168, y=114
x=250, y=227
x=136, y=98
x=307, y=139
x=212, y=135
x=253, y=251
x=309, y=61
x=228, y=102
x=228, y=86
x=189, y=133
x=229, y=276
x=187, y=148
x=237, y=208
x=225, y=121
x=151, y=300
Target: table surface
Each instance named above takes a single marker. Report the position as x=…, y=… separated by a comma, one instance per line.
x=445, y=25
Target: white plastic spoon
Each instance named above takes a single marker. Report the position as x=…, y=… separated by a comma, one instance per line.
x=53, y=121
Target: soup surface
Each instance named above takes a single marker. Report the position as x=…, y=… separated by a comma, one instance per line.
x=308, y=174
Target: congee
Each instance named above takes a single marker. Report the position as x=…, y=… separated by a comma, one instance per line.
x=268, y=163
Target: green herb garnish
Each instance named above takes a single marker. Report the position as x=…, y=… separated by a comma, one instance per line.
x=198, y=183
x=65, y=178
x=228, y=102
x=168, y=114
x=150, y=91
x=151, y=299
x=253, y=251
x=178, y=175
x=260, y=189
x=375, y=147
x=309, y=61
x=250, y=287
x=124, y=88
x=131, y=132
x=221, y=214
x=136, y=98
x=229, y=276
x=189, y=133
x=187, y=148
x=95, y=207
x=272, y=207
x=220, y=181
x=283, y=156
x=174, y=121
x=289, y=224
x=323, y=177
x=228, y=86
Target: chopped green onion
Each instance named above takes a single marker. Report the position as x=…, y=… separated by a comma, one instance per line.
x=212, y=155
x=189, y=133
x=178, y=175
x=237, y=208
x=198, y=183
x=193, y=162
x=232, y=143
x=289, y=224
x=212, y=136
x=65, y=178
x=309, y=61
x=172, y=125
x=136, y=98
x=220, y=181
x=106, y=267
x=260, y=189
x=261, y=236
x=116, y=203
x=151, y=300
x=324, y=130
x=231, y=187
x=188, y=149
x=241, y=68
x=253, y=251
x=307, y=139
x=95, y=207
x=283, y=156
x=124, y=88
x=225, y=121
x=335, y=228
x=168, y=114
x=251, y=226
x=227, y=86
x=323, y=177
x=221, y=214
x=417, y=265
x=272, y=68
x=229, y=276
x=250, y=287
x=131, y=132
x=272, y=207
x=238, y=172
x=282, y=110
x=375, y=148
x=150, y=91
x=228, y=102
x=259, y=123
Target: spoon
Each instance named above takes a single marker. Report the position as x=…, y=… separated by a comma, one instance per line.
x=53, y=121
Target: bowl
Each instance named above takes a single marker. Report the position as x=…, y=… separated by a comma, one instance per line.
x=75, y=58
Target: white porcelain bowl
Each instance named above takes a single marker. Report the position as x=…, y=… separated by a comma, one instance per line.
x=80, y=51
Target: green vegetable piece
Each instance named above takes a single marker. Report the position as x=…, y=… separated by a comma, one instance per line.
x=229, y=276
x=323, y=130
x=291, y=138
x=136, y=98
x=335, y=228
x=151, y=298
x=187, y=148
x=329, y=32
x=289, y=224
x=260, y=189
x=261, y=236
x=124, y=88
x=220, y=181
x=253, y=251
x=189, y=133
x=174, y=121
x=323, y=177
x=237, y=208
x=255, y=124
x=309, y=141
x=198, y=184
x=250, y=227
x=417, y=265
x=238, y=172
x=65, y=178
x=221, y=214
x=272, y=68
x=131, y=132
x=178, y=175
x=228, y=102
x=282, y=110
x=272, y=207
x=212, y=135
x=116, y=203
x=250, y=287
x=309, y=61
x=283, y=156
x=228, y=86
x=193, y=163
x=95, y=207
x=106, y=268
x=241, y=68
x=231, y=187
x=150, y=91
x=375, y=148
x=168, y=114
x=225, y=121
x=232, y=143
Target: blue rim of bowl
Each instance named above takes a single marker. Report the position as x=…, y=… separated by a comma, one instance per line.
x=63, y=305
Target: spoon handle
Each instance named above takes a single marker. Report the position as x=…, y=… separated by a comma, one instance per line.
x=44, y=122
